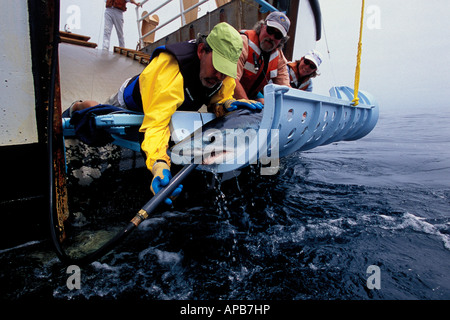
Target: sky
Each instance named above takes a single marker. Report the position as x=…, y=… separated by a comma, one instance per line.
x=405, y=62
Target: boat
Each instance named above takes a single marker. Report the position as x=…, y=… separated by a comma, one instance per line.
x=304, y=120
x=46, y=85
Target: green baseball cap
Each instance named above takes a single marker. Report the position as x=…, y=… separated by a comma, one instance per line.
x=226, y=45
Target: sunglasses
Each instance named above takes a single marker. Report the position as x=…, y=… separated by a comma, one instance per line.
x=274, y=32
x=309, y=63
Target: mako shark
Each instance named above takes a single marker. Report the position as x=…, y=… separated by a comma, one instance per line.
x=224, y=140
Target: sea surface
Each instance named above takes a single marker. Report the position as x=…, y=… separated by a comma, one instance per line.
x=361, y=220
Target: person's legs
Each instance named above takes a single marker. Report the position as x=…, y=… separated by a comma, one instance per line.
x=107, y=29
x=117, y=19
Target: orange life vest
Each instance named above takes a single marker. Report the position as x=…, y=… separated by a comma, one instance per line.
x=294, y=77
x=257, y=70
x=119, y=4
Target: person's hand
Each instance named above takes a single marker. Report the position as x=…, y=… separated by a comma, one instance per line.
x=161, y=178
x=231, y=105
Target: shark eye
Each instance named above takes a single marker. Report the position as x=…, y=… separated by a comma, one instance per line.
x=212, y=137
x=209, y=138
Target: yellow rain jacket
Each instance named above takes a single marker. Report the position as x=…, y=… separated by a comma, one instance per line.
x=162, y=92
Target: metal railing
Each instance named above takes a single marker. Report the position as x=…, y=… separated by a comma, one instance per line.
x=265, y=7
x=181, y=15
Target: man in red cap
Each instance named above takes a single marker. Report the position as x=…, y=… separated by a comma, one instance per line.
x=262, y=59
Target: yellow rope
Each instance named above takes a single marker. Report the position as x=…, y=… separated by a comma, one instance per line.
x=358, y=58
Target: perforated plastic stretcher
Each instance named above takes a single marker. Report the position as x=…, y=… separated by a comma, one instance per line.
x=295, y=119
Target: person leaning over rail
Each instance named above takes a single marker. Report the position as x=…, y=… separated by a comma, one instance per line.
x=302, y=71
x=114, y=18
x=262, y=59
x=182, y=76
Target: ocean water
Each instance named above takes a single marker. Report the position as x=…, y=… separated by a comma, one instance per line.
x=361, y=220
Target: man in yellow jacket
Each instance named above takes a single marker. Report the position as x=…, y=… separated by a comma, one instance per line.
x=181, y=76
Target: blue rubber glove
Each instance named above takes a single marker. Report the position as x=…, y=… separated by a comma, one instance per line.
x=161, y=178
x=231, y=105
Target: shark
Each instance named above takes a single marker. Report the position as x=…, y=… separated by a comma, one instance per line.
x=223, y=140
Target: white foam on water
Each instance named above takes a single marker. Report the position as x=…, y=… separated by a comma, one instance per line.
x=418, y=224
